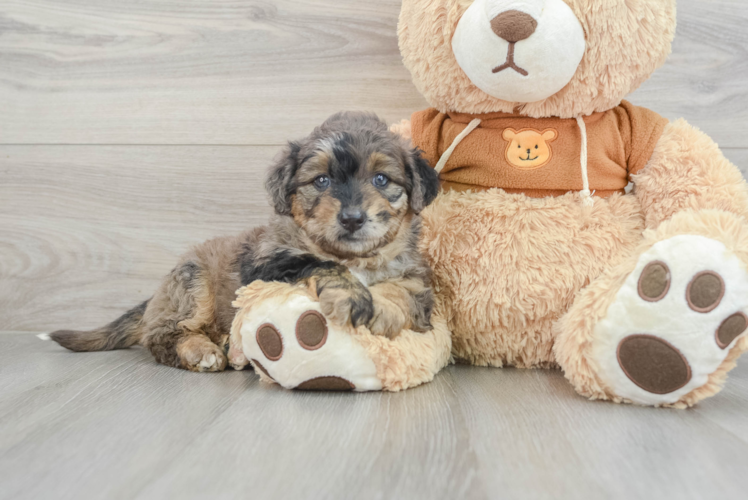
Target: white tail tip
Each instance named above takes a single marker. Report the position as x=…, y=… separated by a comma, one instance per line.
x=44, y=336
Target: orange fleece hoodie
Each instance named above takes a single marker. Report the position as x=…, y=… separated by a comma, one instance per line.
x=540, y=156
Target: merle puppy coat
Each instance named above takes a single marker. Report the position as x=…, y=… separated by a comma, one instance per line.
x=346, y=222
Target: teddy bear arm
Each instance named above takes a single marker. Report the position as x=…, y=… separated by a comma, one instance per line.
x=282, y=330
x=403, y=128
x=687, y=171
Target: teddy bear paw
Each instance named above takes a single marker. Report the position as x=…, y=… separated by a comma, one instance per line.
x=673, y=322
x=294, y=345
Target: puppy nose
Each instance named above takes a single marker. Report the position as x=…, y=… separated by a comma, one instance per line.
x=514, y=26
x=352, y=219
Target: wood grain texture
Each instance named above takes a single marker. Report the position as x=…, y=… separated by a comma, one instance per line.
x=88, y=232
x=116, y=425
x=194, y=72
x=593, y=449
x=258, y=72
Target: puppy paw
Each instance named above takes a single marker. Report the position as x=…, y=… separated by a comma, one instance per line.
x=347, y=306
x=388, y=321
x=673, y=322
x=198, y=354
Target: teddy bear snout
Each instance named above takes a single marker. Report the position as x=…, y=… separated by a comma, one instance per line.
x=514, y=26
x=519, y=51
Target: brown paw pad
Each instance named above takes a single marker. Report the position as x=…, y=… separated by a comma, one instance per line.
x=270, y=342
x=326, y=384
x=653, y=364
x=654, y=282
x=311, y=330
x=730, y=329
x=705, y=291
x=259, y=366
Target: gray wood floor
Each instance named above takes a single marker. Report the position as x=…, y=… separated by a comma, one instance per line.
x=116, y=425
x=131, y=130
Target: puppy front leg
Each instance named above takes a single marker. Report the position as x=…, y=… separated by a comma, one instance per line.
x=343, y=298
x=401, y=304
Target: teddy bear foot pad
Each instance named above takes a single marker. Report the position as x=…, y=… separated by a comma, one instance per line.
x=673, y=321
x=296, y=347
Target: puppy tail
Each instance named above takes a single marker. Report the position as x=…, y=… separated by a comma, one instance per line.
x=120, y=334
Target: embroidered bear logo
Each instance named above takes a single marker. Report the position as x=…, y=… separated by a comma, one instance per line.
x=529, y=149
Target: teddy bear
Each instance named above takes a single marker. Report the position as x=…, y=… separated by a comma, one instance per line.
x=574, y=229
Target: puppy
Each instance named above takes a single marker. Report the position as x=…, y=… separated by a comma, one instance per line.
x=346, y=202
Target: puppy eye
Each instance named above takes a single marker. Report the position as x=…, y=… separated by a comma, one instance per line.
x=322, y=182
x=381, y=180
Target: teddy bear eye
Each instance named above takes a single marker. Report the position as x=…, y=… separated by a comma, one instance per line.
x=536, y=146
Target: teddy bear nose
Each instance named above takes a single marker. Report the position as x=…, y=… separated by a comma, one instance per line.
x=514, y=26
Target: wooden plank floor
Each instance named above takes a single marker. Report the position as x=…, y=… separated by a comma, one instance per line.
x=131, y=130
x=116, y=425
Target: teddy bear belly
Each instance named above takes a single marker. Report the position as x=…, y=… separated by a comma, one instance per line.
x=507, y=267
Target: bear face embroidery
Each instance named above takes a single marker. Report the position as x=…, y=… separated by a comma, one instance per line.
x=529, y=149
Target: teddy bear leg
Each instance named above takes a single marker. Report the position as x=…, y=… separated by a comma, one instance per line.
x=282, y=331
x=664, y=328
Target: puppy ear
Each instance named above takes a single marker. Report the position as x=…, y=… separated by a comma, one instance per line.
x=424, y=179
x=279, y=183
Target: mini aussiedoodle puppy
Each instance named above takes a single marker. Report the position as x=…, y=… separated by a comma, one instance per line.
x=346, y=201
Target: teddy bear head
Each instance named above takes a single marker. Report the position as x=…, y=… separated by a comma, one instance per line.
x=541, y=58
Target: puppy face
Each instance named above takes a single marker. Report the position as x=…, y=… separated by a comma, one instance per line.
x=348, y=199
x=352, y=184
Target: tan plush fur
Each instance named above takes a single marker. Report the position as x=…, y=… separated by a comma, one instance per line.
x=410, y=360
x=625, y=44
x=403, y=129
x=688, y=171
x=574, y=333
x=508, y=266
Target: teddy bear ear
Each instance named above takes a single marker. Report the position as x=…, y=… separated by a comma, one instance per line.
x=509, y=134
x=550, y=135
x=279, y=183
